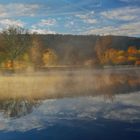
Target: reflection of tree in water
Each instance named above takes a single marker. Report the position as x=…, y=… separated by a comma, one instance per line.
x=17, y=107
x=120, y=83
x=106, y=84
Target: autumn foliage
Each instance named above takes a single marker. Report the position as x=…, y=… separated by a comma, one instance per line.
x=20, y=50
x=119, y=57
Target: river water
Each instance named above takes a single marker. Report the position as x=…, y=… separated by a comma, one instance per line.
x=85, y=105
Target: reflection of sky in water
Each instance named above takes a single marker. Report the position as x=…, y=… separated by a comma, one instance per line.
x=125, y=108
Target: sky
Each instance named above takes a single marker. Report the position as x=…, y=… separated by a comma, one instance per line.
x=100, y=17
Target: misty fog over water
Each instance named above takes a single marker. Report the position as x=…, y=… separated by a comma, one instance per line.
x=69, y=83
x=85, y=103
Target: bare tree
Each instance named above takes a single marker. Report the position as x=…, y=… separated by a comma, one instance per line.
x=16, y=40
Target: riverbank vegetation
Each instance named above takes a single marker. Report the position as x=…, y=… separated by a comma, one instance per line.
x=20, y=50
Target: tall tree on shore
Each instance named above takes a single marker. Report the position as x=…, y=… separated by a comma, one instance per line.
x=15, y=41
x=36, y=51
x=102, y=44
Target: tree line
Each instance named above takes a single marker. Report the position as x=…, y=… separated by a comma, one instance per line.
x=19, y=50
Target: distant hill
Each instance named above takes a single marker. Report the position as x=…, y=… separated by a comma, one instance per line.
x=59, y=41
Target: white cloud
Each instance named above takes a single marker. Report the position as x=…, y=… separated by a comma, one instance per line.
x=47, y=22
x=130, y=29
x=41, y=31
x=90, y=21
x=13, y=9
x=130, y=26
x=10, y=22
x=37, y=28
x=123, y=13
x=129, y=1
x=87, y=18
x=70, y=24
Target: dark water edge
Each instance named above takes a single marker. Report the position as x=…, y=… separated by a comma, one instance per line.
x=84, y=118
x=100, y=129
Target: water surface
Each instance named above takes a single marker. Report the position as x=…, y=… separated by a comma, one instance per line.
x=85, y=104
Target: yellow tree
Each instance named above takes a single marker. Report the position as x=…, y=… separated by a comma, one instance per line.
x=132, y=54
x=132, y=50
x=102, y=44
x=49, y=57
x=110, y=55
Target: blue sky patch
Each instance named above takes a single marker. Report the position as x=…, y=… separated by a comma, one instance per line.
x=117, y=17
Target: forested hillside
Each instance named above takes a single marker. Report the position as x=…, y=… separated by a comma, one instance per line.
x=19, y=50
